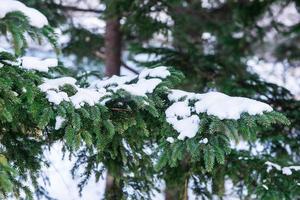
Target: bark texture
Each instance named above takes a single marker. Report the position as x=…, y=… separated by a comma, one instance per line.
x=113, y=47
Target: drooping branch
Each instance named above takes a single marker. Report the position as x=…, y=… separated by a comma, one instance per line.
x=129, y=68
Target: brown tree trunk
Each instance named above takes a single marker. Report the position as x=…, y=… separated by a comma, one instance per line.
x=113, y=46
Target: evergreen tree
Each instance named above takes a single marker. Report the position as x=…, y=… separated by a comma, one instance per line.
x=109, y=123
x=212, y=45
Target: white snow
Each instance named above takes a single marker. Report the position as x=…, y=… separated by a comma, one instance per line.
x=142, y=87
x=36, y=18
x=296, y=168
x=176, y=95
x=34, y=63
x=113, y=81
x=179, y=109
x=147, y=81
x=188, y=124
x=54, y=84
x=238, y=35
x=56, y=97
x=162, y=16
x=186, y=127
x=285, y=170
x=170, y=140
x=88, y=96
x=221, y=105
x=226, y=107
x=158, y=72
x=272, y=165
x=59, y=122
x=203, y=141
x=288, y=15
x=208, y=36
x=51, y=88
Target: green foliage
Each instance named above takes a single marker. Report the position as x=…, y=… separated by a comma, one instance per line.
x=6, y=175
x=17, y=24
x=219, y=133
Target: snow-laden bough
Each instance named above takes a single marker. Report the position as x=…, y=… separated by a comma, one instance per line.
x=36, y=18
x=183, y=114
x=288, y=170
x=100, y=91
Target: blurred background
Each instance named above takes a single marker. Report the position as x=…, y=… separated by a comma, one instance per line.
x=245, y=48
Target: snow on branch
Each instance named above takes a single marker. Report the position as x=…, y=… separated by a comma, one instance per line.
x=52, y=88
x=31, y=63
x=226, y=107
x=100, y=91
x=36, y=18
x=38, y=64
x=285, y=170
x=183, y=114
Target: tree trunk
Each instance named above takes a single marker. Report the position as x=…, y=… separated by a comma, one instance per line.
x=177, y=192
x=172, y=193
x=178, y=189
x=113, y=47
x=218, y=181
x=113, y=188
